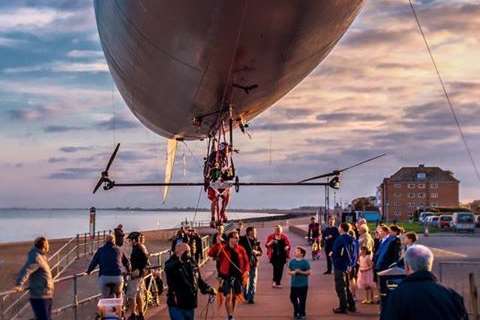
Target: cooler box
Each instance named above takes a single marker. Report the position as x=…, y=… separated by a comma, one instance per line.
x=110, y=309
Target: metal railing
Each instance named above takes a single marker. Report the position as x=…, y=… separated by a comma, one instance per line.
x=14, y=304
x=72, y=300
x=459, y=275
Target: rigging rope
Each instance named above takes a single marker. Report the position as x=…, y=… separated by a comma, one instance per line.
x=442, y=83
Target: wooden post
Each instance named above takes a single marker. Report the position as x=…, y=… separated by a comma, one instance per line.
x=473, y=297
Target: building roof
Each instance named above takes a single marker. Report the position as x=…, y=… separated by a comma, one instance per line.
x=422, y=173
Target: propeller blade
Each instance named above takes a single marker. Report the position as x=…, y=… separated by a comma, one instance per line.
x=363, y=162
x=337, y=172
x=99, y=183
x=325, y=175
x=112, y=157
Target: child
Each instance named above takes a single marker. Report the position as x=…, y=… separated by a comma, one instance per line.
x=365, y=275
x=299, y=269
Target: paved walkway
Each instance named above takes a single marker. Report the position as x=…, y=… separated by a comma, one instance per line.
x=274, y=303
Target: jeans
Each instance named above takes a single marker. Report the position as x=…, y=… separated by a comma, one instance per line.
x=277, y=271
x=42, y=308
x=298, y=297
x=106, y=291
x=252, y=284
x=343, y=290
x=181, y=314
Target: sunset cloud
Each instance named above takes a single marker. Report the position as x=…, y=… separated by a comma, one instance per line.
x=376, y=92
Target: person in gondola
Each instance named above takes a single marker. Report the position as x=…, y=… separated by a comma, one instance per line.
x=219, y=170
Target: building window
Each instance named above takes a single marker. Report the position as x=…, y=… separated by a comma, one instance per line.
x=411, y=186
x=433, y=195
x=411, y=204
x=434, y=185
x=411, y=195
x=396, y=213
x=397, y=194
x=421, y=176
x=421, y=195
x=434, y=205
x=397, y=185
x=421, y=186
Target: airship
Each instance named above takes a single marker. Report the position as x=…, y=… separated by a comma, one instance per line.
x=185, y=66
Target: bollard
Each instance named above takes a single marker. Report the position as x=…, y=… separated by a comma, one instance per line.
x=425, y=231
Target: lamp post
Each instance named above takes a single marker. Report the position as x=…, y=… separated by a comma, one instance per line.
x=92, y=219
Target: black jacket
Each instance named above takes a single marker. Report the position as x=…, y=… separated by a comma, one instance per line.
x=420, y=297
x=249, y=246
x=328, y=242
x=110, y=259
x=139, y=259
x=184, y=280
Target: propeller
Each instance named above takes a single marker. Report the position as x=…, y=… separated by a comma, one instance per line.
x=338, y=172
x=104, y=177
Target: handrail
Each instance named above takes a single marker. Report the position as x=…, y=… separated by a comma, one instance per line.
x=159, y=267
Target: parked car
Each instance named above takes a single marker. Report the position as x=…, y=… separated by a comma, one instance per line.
x=463, y=221
x=445, y=221
x=477, y=220
x=434, y=221
x=424, y=215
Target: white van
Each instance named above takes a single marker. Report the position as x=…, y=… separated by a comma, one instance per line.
x=424, y=215
x=463, y=221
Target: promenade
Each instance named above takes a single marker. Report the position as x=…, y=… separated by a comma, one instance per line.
x=272, y=303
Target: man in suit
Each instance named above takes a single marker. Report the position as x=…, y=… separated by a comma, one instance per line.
x=388, y=251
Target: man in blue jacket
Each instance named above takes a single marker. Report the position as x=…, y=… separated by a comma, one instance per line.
x=342, y=256
x=110, y=259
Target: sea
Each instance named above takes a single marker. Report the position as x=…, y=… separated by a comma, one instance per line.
x=27, y=224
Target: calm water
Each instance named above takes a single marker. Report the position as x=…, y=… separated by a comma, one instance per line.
x=25, y=225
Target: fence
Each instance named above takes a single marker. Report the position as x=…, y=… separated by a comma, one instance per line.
x=72, y=284
x=14, y=304
x=464, y=277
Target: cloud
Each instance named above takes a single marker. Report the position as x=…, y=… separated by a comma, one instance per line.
x=70, y=149
x=47, y=20
x=287, y=126
x=344, y=117
x=57, y=160
x=62, y=66
x=85, y=54
x=117, y=123
x=7, y=42
x=74, y=174
x=31, y=113
x=59, y=129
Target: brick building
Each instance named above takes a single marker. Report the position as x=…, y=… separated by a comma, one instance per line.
x=412, y=188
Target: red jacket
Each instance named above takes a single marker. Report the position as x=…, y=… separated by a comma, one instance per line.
x=220, y=252
x=269, y=247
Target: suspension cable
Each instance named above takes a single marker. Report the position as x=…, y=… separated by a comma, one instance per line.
x=445, y=92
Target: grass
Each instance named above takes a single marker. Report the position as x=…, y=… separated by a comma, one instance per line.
x=408, y=226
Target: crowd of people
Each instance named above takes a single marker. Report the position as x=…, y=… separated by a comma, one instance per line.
x=353, y=255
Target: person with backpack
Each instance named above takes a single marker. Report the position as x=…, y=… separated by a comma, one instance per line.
x=343, y=260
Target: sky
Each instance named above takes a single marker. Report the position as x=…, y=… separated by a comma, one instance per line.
x=61, y=114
